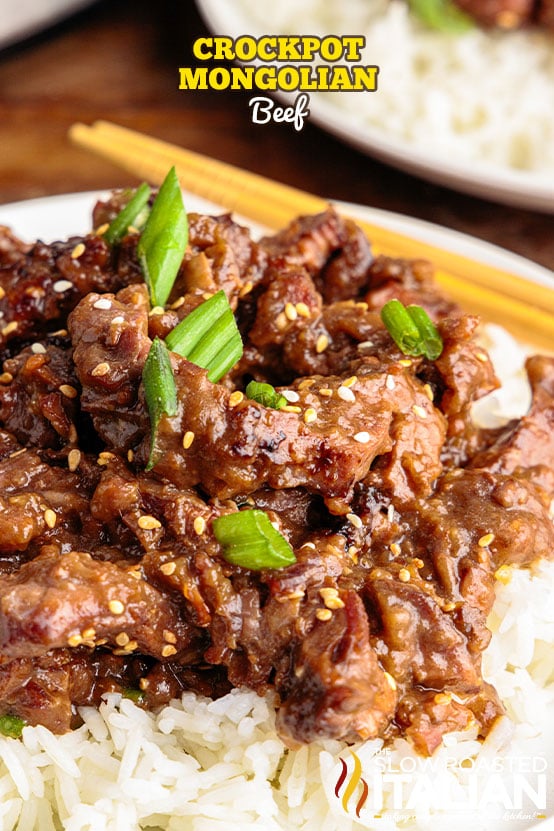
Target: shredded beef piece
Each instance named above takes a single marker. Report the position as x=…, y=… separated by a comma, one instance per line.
x=39, y=403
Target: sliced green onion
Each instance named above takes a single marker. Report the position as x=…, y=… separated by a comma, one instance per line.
x=412, y=330
x=265, y=394
x=431, y=341
x=129, y=215
x=401, y=327
x=163, y=242
x=160, y=391
x=442, y=15
x=11, y=726
x=135, y=695
x=249, y=540
x=208, y=337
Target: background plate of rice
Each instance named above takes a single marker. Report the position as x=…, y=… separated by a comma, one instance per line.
x=201, y=765
x=474, y=111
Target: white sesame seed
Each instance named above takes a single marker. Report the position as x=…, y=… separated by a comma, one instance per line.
x=321, y=344
x=50, y=517
x=310, y=415
x=116, y=607
x=102, y=303
x=73, y=459
x=290, y=395
x=485, y=540
x=290, y=311
x=302, y=309
x=362, y=437
x=199, y=525
x=157, y=310
x=100, y=369
x=68, y=391
x=350, y=381
x=168, y=568
x=78, y=250
x=62, y=285
x=419, y=411
x=324, y=614
x=10, y=327
x=148, y=523
x=38, y=349
x=355, y=520
x=404, y=575
x=364, y=345
x=188, y=439
x=118, y=319
x=346, y=394
x=168, y=650
x=390, y=383
x=390, y=512
x=235, y=398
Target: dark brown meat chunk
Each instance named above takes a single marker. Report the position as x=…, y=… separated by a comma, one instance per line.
x=338, y=688
x=38, y=399
x=327, y=451
x=59, y=600
x=111, y=343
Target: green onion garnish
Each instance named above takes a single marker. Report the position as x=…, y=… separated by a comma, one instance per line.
x=162, y=244
x=431, y=341
x=11, y=726
x=442, y=15
x=159, y=389
x=265, y=394
x=135, y=695
x=209, y=337
x=412, y=330
x=249, y=540
x=129, y=215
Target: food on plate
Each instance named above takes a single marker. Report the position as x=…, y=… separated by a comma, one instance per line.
x=457, y=15
x=449, y=100
x=312, y=514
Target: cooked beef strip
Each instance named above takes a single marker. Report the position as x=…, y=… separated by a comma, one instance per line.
x=399, y=510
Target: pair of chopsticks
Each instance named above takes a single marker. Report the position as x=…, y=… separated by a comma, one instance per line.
x=526, y=309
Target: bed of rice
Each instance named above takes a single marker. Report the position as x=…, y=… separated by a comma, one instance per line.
x=482, y=96
x=219, y=766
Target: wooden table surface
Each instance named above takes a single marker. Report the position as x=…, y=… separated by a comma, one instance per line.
x=119, y=61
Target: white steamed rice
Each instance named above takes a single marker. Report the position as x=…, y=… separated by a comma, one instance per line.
x=482, y=96
x=202, y=765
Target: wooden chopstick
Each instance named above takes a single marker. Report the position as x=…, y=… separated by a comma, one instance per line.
x=525, y=308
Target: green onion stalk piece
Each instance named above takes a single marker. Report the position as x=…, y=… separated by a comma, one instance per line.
x=11, y=726
x=250, y=540
x=133, y=694
x=265, y=394
x=412, y=330
x=129, y=215
x=163, y=242
x=442, y=15
x=160, y=391
x=208, y=337
x=431, y=341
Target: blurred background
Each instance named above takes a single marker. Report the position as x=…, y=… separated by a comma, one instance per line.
x=119, y=61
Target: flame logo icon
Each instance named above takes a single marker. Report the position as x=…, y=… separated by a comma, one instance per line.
x=351, y=784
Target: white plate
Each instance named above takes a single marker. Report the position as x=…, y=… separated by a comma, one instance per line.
x=493, y=182
x=59, y=217
x=23, y=18
x=54, y=217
